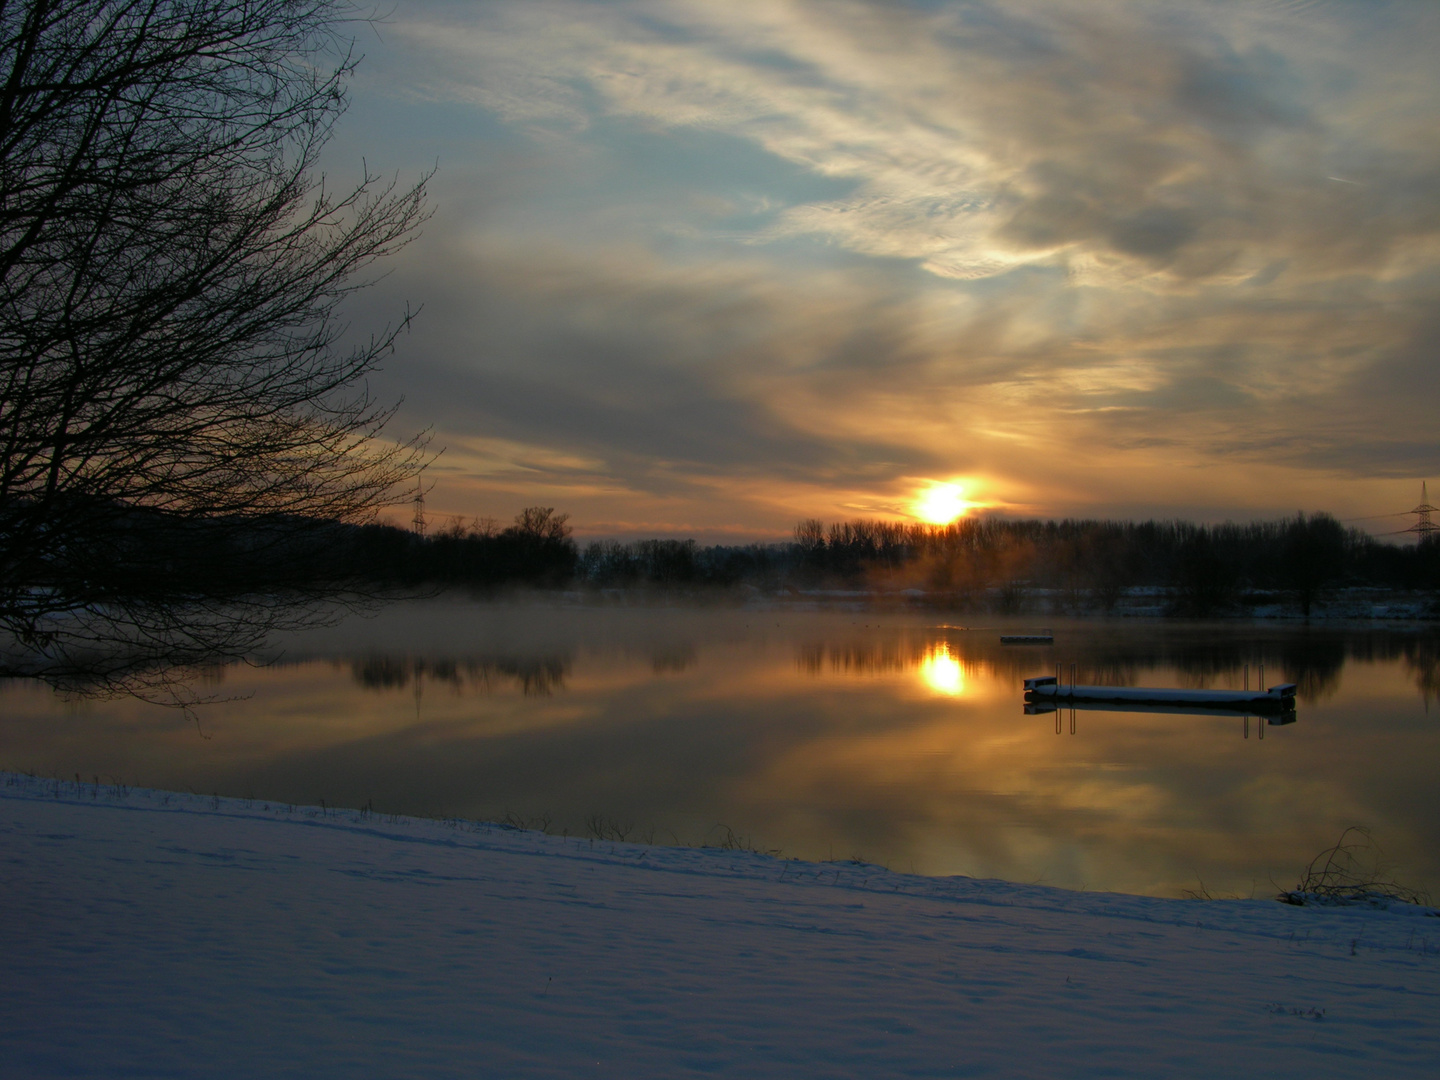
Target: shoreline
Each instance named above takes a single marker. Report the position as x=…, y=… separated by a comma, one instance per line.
x=1361, y=606
x=150, y=933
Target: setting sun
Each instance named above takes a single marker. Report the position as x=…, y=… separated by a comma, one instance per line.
x=941, y=504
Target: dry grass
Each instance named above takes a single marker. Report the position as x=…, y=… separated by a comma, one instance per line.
x=1352, y=871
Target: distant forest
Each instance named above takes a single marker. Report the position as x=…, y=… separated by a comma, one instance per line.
x=981, y=563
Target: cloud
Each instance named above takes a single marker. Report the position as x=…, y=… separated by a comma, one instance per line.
x=612, y=372
x=1124, y=139
x=786, y=248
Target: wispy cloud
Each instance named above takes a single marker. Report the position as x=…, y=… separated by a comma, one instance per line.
x=831, y=247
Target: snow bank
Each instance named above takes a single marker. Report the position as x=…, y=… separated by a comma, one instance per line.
x=150, y=934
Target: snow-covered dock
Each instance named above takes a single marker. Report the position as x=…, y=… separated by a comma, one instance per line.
x=1047, y=688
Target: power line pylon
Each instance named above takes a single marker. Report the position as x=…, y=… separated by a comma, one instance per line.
x=417, y=523
x=1424, y=528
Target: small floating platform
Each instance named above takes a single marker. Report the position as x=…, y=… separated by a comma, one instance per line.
x=1027, y=639
x=1278, y=699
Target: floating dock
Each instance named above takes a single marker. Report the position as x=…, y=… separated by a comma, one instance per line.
x=1047, y=689
x=1044, y=638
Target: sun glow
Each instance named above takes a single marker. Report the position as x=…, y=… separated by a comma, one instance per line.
x=940, y=504
x=942, y=672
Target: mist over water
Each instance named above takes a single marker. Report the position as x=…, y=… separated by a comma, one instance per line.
x=894, y=737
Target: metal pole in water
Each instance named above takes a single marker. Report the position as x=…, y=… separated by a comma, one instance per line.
x=1247, y=676
x=1261, y=684
x=1260, y=723
x=1247, y=723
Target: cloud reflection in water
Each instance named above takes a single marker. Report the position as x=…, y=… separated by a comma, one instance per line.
x=822, y=734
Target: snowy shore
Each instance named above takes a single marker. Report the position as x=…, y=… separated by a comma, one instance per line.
x=151, y=934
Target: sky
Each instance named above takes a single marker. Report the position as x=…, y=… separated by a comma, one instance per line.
x=701, y=269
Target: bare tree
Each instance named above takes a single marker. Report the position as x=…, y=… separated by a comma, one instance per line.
x=540, y=523
x=171, y=275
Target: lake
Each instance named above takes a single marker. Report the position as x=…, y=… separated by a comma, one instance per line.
x=898, y=737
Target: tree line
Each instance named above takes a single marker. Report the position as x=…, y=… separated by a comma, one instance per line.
x=165, y=590
x=1089, y=563
x=976, y=563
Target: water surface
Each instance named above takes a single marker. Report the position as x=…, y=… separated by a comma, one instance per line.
x=896, y=738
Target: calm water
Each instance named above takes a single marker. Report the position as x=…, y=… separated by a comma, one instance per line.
x=900, y=739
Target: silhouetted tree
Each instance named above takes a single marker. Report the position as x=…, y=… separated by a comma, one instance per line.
x=171, y=272
x=536, y=549
x=1314, y=553
x=540, y=524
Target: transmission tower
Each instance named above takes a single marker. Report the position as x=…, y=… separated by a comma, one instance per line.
x=418, y=521
x=1424, y=528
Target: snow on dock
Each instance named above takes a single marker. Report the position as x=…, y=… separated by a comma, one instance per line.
x=151, y=934
x=1279, y=698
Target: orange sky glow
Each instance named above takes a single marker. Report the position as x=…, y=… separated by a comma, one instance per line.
x=706, y=270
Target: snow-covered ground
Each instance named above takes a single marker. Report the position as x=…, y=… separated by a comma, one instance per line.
x=150, y=934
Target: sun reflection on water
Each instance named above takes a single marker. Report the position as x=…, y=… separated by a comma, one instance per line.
x=942, y=672
x=821, y=732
